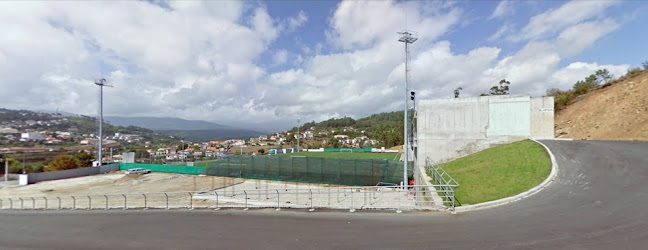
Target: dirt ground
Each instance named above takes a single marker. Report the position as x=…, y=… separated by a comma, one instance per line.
x=618, y=112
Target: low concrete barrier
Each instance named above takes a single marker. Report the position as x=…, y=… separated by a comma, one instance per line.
x=64, y=174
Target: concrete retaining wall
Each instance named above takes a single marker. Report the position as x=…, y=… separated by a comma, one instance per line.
x=453, y=128
x=71, y=173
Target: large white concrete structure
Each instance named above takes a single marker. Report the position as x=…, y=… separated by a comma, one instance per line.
x=452, y=128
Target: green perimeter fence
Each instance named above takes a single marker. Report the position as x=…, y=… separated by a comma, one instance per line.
x=350, y=172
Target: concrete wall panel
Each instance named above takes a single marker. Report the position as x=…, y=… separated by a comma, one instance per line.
x=542, y=117
x=452, y=128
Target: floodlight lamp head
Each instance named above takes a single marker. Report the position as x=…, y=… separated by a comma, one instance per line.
x=100, y=82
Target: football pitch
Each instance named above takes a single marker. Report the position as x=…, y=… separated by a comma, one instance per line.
x=347, y=155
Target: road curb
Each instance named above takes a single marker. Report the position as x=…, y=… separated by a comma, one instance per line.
x=532, y=191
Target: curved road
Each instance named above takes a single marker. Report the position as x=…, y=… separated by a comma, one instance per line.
x=598, y=201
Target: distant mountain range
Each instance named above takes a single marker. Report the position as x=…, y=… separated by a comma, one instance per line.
x=164, y=123
x=191, y=130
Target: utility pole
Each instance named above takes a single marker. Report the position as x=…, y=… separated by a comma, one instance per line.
x=298, y=135
x=407, y=37
x=101, y=83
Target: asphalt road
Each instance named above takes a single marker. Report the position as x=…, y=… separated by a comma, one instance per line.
x=598, y=201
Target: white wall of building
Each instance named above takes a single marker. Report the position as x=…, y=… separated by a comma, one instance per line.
x=452, y=128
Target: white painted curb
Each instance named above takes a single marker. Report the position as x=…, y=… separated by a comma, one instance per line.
x=532, y=191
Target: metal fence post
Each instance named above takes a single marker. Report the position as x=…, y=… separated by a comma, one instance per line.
x=246, y=205
x=278, y=206
x=73, y=202
x=311, y=201
x=191, y=201
x=167, y=201
x=89, y=203
x=329, y=197
x=59, y=201
x=106, y=196
x=33, y=203
x=45, y=202
x=352, y=208
x=125, y=202
x=399, y=210
x=217, y=208
x=145, y=207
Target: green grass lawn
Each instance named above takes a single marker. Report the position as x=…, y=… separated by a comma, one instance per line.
x=499, y=172
x=375, y=156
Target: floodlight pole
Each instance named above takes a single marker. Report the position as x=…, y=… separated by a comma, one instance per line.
x=101, y=83
x=407, y=38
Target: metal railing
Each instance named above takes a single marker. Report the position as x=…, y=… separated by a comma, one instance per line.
x=351, y=198
x=443, y=182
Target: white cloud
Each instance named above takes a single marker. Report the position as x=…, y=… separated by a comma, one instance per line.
x=503, y=8
x=280, y=57
x=553, y=21
x=199, y=60
x=297, y=21
x=361, y=24
x=501, y=32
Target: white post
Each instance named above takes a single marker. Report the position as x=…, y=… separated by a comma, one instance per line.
x=6, y=169
x=298, y=135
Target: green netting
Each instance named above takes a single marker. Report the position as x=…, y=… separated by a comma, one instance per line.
x=351, y=172
x=163, y=168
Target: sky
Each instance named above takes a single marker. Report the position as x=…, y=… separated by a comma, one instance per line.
x=269, y=63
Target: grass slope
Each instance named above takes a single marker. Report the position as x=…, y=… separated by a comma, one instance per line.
x=499, y=172
x=375, y=156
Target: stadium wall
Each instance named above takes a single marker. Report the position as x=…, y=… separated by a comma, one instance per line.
x=452, y=128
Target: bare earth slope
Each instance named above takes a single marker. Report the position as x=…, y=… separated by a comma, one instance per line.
x=617, y=112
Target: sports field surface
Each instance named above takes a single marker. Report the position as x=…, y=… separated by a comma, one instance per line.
x=347, y=155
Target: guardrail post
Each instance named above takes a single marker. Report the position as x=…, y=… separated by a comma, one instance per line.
x=400, y=201
x=125, y=202
x=45, y=202
x=352, y=208
x=59, y=200
x=278, y=206
x=106, y=196
x=33, y=203
x=191, y=201
x=329, y=197
x=145, y=207
x=167, y=201
x=311, y=201
x=216, y=193
x=246, y=198
x=21, y=203
x=89, y=203
x=73, y=202
x=10, y=203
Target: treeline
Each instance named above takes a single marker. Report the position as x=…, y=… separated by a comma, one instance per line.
x=59, y=162
x=599, y=79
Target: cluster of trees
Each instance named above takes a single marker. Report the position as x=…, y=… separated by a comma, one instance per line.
x=64, y=162
x=600, y=78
